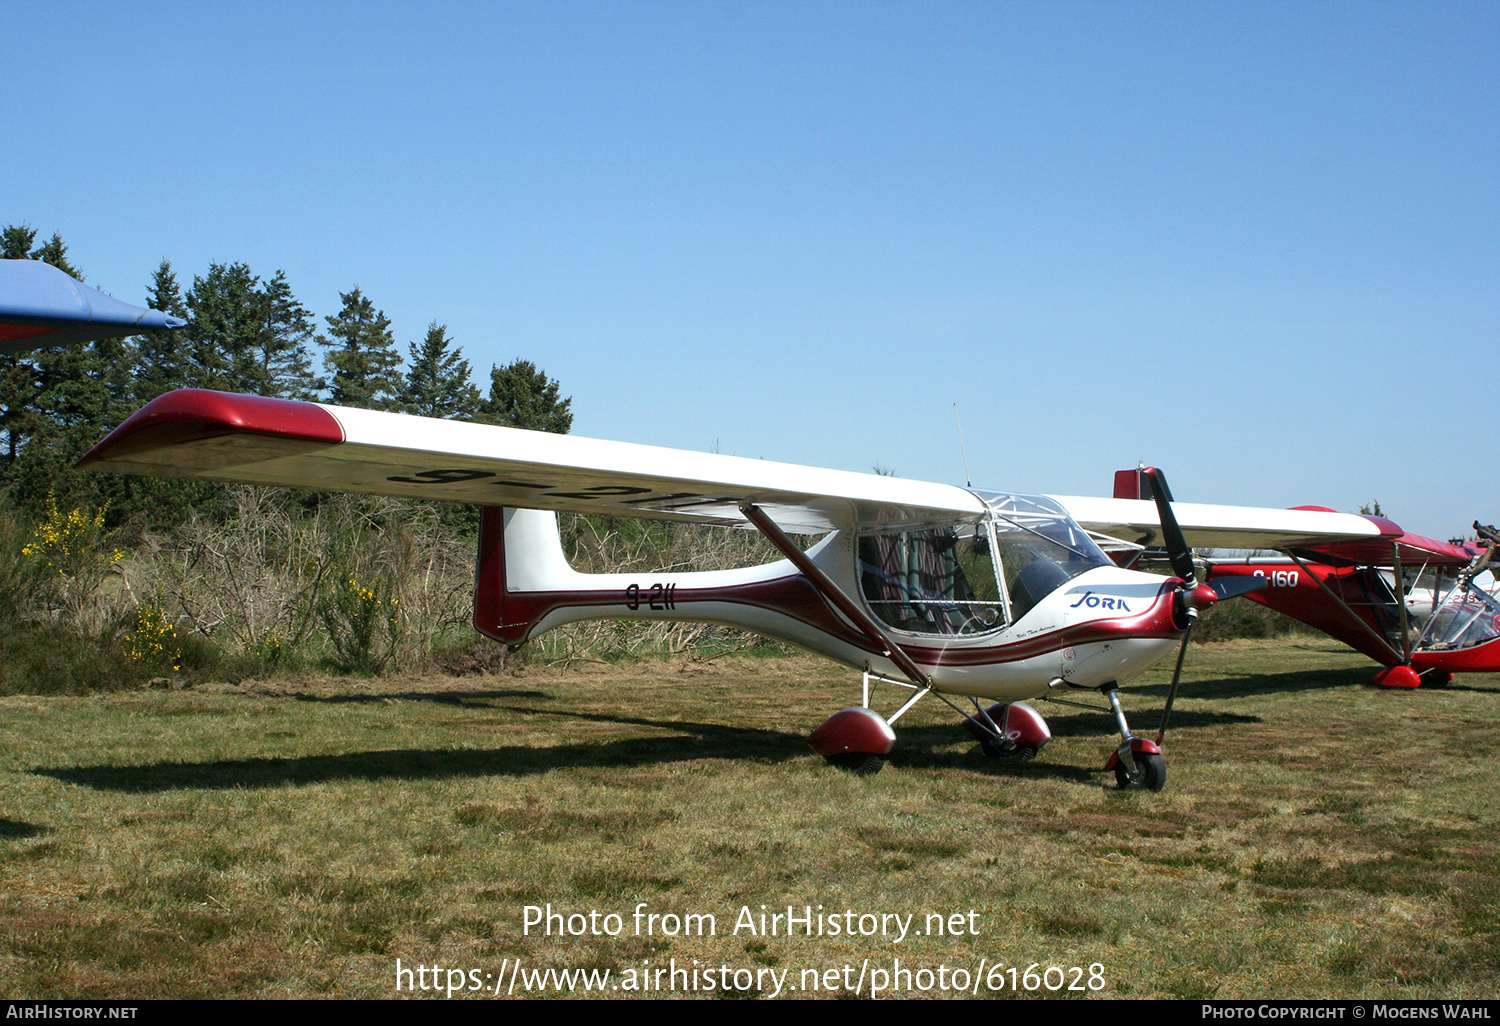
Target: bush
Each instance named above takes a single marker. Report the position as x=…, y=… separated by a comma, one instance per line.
x=1244, y=618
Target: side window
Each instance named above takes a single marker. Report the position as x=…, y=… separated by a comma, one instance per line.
x=1031, y=570
x=934, y=581
x=1037, y=564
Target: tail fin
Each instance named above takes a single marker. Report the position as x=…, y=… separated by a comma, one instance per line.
x=1133, y=484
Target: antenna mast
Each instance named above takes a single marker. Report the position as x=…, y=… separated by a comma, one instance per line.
x=968, y=481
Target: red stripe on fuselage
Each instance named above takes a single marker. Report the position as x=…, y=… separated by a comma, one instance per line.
x=795, y=598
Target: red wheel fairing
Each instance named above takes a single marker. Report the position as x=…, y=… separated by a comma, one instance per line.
x=855, y=729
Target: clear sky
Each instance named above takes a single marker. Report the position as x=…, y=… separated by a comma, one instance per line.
x=1254, y=244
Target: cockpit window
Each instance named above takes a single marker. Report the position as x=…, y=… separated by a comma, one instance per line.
x=973, y=577
x=938, y=580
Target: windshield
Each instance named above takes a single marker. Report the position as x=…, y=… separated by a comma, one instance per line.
x=1464, y=617
x=1041, y=548
x=971, y=577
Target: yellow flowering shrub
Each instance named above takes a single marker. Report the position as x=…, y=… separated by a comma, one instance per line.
x=364, y=624
x=153, y=639
x=69, y=542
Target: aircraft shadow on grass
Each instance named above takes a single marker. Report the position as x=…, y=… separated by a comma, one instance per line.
x=692, y=741
x=464, y=699
x=1294, y=682
x=1230, y=688
x=922, y=747
x=20, y=828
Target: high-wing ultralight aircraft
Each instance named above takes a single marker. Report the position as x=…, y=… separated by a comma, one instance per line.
x=1418, y=606
x=957, y=593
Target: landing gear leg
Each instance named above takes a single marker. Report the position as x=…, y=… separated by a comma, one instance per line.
x=1137, y=762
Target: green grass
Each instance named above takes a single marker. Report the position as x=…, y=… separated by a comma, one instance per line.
x=1317, y=838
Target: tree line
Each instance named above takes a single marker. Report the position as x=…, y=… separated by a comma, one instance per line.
x=245, y=333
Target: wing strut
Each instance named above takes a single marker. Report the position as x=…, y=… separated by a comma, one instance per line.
x=1398, y=578
x=1384, y=642
x=821, y=581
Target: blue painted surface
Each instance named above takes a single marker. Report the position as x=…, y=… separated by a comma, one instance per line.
x=33, y=293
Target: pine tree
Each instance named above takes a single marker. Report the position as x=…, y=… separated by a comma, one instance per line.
x=16, y=241
x=161, y=363
x=362, y=357
x=524, y=397
x=224, y=332
x=286, y=335
x=437, y=380
x=247, y=337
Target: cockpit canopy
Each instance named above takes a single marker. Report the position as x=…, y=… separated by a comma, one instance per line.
x=972, y=576
x=1461, y=616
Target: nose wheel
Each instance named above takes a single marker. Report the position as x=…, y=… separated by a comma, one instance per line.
x=1150, y=772
x=1137, y=763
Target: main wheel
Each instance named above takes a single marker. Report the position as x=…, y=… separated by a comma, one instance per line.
x=861, y=764
x=1150, y=772
x=1006, y=750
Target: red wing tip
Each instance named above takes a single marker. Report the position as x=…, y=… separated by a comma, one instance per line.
x=1388, y=528
x=194, y=414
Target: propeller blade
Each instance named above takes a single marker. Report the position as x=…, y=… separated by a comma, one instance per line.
x=1171, y=534
x=1234, y=587
x=1191, y=596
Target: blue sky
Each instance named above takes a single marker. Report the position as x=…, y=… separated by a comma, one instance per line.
x=1253, y=244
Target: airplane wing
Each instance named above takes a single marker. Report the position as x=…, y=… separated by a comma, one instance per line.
x=218, y=436
x=1413, y=549
x=1231, y=527
x=41, y=305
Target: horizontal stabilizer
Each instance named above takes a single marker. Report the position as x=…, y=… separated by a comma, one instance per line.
x=1234, y=587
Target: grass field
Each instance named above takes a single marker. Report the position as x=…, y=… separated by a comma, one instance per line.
x=1317, y=838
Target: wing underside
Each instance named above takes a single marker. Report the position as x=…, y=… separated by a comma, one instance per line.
x=219, y=436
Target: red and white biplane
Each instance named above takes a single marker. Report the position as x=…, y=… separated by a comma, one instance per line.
x=958, y=593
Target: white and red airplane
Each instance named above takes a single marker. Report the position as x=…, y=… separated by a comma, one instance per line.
x=944, y=591
x=957, y=593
